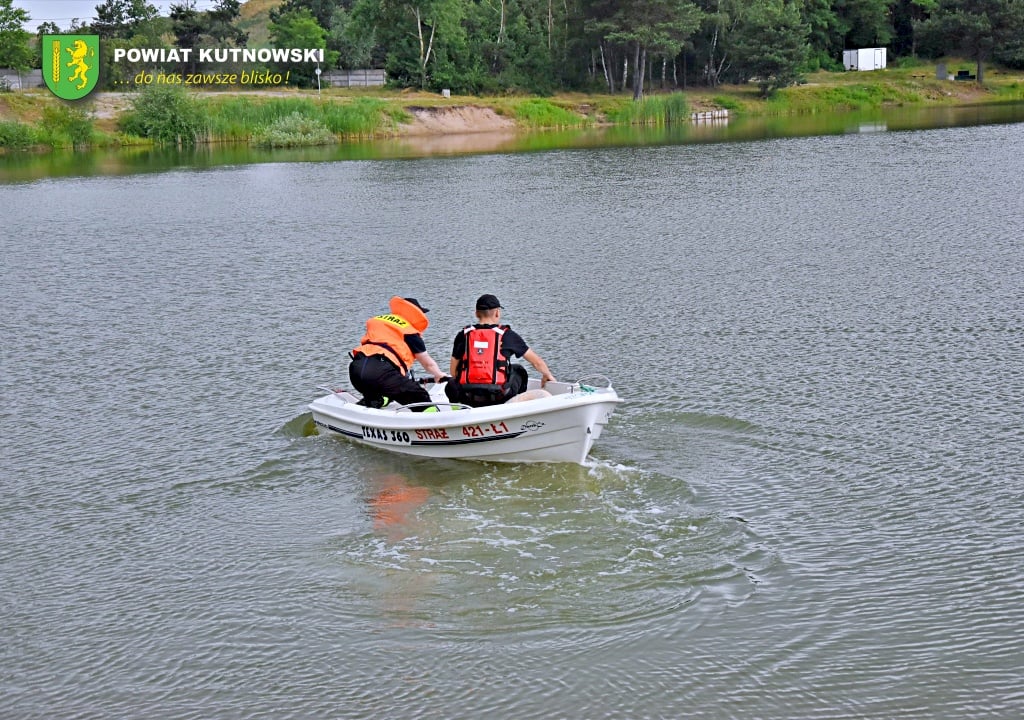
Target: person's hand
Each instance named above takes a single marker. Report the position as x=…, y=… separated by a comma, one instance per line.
x=545, y=379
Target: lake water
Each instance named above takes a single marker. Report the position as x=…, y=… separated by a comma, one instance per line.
x=810, y=505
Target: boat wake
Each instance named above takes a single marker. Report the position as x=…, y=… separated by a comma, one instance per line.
x=299, y=427
x=533, y=545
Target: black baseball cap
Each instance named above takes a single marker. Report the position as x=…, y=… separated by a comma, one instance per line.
x=487, y=302
x=416, y=302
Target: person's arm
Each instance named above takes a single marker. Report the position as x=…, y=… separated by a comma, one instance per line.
x=540, y=366
x=458, y=350
x=430, y=365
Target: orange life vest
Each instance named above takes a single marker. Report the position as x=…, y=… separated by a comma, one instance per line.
x=482, y=361
x=385, y=334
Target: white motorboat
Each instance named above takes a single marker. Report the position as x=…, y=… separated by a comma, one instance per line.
x=559, y=425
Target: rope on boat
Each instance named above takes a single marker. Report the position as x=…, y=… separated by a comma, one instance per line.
x=594, y=387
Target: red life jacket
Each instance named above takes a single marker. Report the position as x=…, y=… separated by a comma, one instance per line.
x=482, y=361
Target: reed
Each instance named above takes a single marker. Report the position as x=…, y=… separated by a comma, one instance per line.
x=653, y=110
x=241, y=118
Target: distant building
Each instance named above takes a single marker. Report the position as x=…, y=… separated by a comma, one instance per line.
x=864, y=59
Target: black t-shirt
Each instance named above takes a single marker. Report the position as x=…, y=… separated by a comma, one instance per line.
x=512, y=345
x=415, y=343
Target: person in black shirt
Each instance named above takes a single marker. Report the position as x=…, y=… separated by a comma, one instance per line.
x=380, y=365
x=481, y=369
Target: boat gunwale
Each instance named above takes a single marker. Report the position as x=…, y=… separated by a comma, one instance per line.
x=335, y=406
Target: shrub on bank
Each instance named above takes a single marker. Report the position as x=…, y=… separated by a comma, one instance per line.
x=66, y=126
x=294, y=130
x=166, y=115
x=62, y=126
x=16, y=136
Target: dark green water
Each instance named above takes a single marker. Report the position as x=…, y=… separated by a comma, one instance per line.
x=809, y=506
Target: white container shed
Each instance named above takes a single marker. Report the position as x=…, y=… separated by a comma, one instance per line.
x=864, y=59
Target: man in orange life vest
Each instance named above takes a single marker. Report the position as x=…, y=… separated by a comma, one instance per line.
x=380, y=365
x=481, y=367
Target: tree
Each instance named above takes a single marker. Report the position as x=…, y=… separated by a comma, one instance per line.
x=215, y=27
x=14, y=48
x=125, y=24
x=647, y=26
x=598, y=24
x=772, y=44
x=518, y=44
x=299, y=29
x=354, y=48
x=906, y=14
x=721, y=18
x=187, y=27
x=120, y=18
x=825, y=34
x=321, y=10
x=977, y=28
x=220, y=23
x=1010, y=51
x=424, y=39
x=867, y=22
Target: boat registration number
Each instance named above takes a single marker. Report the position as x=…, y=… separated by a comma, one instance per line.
x=472, y=431
x=395, y=437
x=408, y=437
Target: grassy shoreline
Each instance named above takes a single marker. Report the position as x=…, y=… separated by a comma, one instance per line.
x=35, y=120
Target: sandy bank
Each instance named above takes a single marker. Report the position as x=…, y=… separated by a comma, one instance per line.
x=440, y=120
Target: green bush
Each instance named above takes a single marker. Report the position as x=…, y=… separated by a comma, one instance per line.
x=16, y=136
x=66, y=126
x=294, y=130
x=166, y=115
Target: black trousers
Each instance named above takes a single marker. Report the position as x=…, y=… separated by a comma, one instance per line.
x=376, y=377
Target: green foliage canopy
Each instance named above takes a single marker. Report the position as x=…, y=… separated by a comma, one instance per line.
x=14, y=48
x=540, y=46
x=981, y=29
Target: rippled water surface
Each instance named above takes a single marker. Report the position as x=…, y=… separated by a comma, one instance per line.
x=809, y=506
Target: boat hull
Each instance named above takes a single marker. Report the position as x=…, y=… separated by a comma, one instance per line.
x=559, y=428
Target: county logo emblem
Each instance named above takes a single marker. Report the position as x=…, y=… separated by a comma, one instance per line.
x=71, y=64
